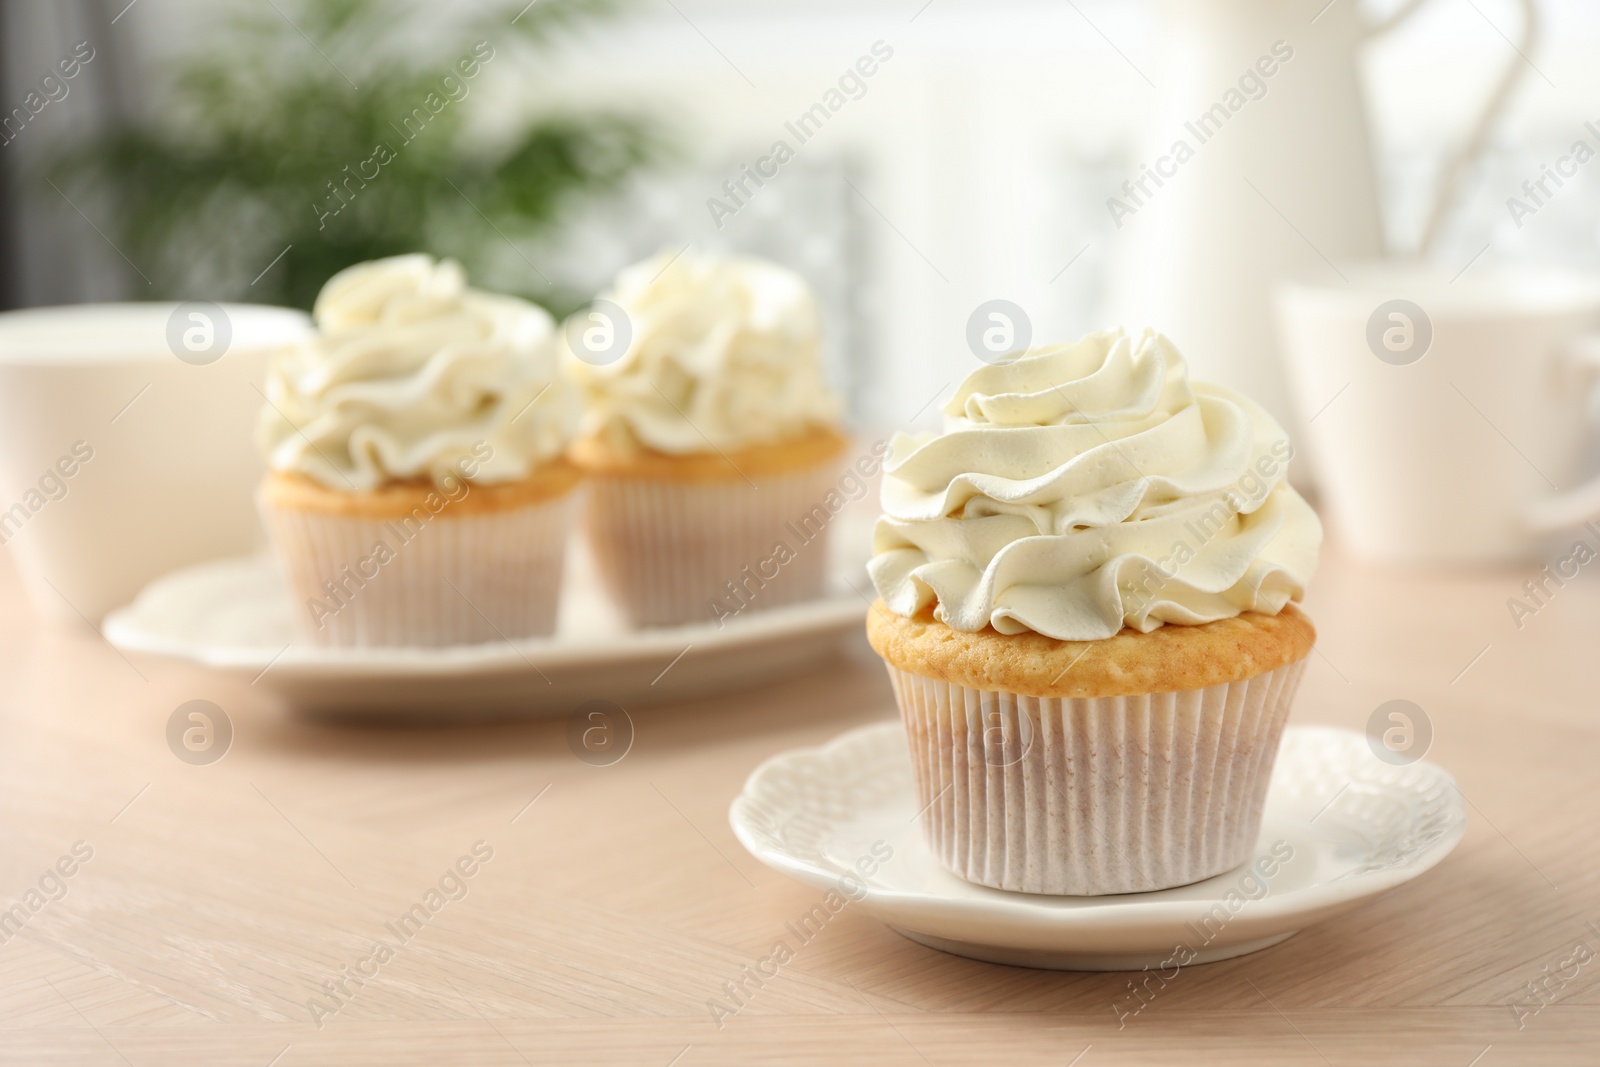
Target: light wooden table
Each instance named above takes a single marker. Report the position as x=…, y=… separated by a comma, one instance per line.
x=219, y=898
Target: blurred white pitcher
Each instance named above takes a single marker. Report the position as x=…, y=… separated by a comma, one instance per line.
x=126, y=442
x=1275, y=178
x=1448, y=420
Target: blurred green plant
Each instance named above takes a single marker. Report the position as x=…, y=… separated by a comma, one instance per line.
x=344, y=130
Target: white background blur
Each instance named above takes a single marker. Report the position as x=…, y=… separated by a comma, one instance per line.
x=975, y=166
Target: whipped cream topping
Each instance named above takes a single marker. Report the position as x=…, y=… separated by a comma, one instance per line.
x=410, y=375
x=1079, y=489
x=724, y=353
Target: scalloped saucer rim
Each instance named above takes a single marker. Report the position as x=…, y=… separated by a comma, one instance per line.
x=919, y=899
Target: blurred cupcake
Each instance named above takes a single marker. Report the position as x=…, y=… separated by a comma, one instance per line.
x=1085, y=610
x=709, y=439
x=416, y=490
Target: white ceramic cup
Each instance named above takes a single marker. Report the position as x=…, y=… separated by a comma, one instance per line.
x=1448, y=418
x=127, y=443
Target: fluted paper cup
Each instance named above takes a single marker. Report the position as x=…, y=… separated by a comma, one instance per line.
x=1092, y=796
x=674, y=552
x=453, y=580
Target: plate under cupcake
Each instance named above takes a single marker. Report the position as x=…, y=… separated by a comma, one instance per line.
x=235, y=616
x=1341, y=826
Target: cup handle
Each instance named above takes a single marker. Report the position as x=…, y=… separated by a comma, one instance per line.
x=1575, y=506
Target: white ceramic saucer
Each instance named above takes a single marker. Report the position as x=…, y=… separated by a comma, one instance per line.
x=235, y=616
x=1356, y=826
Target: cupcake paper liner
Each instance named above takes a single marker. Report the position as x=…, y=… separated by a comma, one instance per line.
x=671, y=553
x=1092, y=796
x=455, y=579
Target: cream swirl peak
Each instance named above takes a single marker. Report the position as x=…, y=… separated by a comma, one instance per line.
x=1079, y=489
x=410, y=373
x=724, y=353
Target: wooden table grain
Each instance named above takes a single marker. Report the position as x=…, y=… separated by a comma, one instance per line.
x=227, y=913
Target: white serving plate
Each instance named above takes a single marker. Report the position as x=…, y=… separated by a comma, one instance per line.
x=1357, y=827
x=235, y=616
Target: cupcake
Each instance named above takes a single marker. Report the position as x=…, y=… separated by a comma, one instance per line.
x=709, y=439
x=417, y=492
x=1086, y=588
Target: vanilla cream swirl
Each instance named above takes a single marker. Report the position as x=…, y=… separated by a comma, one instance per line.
x=410, y=374
x=724, y=353
x=1083, y=488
